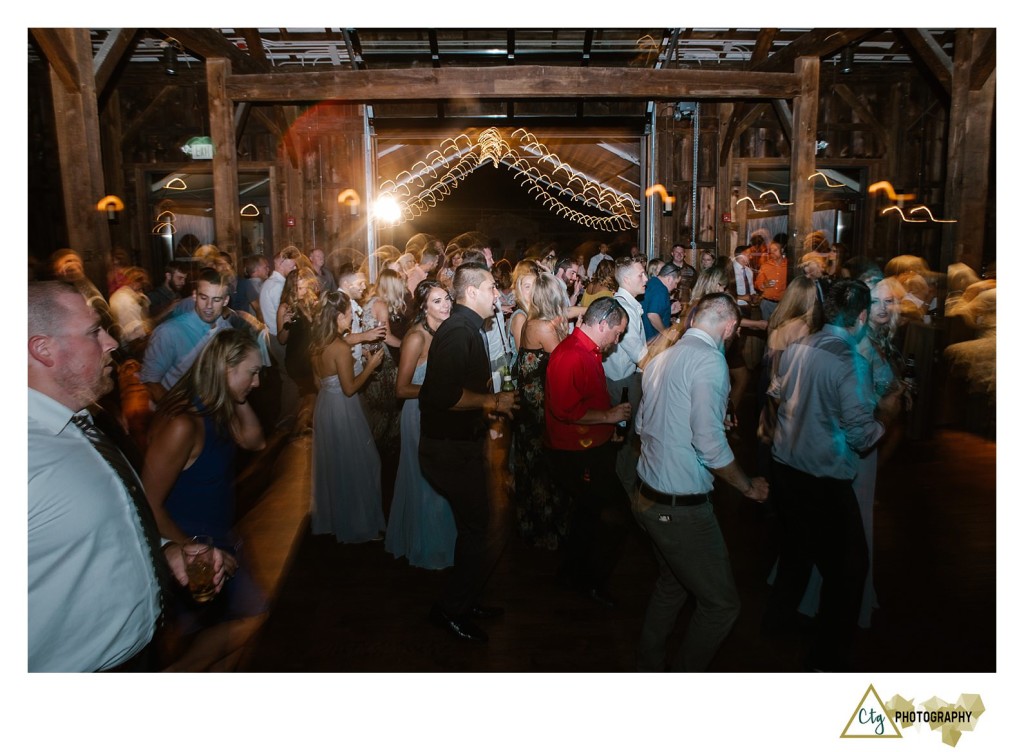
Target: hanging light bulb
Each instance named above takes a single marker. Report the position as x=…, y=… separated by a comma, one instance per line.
x=846, y=60
x=170, y=57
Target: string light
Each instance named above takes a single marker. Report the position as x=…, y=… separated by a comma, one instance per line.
x=456, y=158
x=928, y=211
x=902, y=215
x=778, y=201
x=885, y=185
x=824, y=177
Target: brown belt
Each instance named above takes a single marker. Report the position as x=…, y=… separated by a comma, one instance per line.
x=672, y=500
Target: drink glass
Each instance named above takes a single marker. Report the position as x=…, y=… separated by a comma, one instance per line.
x=198, y=555
x=370, y=322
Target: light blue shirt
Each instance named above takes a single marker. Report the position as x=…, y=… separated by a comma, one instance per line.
x=93, y=597
x=681, y=416
x=177, y=342
x=622, y=362
x=826, y=405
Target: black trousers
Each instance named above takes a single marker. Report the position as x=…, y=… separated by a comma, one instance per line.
x=599, y=516
x=458, y=470
x=821, y=526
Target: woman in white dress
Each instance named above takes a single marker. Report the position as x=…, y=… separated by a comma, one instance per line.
x=346, y=466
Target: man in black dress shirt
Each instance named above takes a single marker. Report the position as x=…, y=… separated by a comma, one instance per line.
x=455, y=399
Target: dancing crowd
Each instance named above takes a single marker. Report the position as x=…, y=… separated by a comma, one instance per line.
x=610, y=380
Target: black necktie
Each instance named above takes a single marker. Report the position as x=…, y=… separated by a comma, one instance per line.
x=108, y=451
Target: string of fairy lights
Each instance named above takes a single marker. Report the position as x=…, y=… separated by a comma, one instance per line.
x=546, y=177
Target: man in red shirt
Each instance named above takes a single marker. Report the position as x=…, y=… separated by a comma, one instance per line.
x=580, y=426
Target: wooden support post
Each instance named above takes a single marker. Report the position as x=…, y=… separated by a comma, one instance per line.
x=226, y=220
x=805, y=129
x=78, y=144
x=970, y=153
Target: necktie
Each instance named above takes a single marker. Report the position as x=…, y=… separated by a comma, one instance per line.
x=109, y=452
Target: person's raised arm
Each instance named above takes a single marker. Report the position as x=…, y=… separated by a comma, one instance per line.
x=246, y=429
x=380, y=312
x=345, y=364
x=284, y=317
x=171, y=445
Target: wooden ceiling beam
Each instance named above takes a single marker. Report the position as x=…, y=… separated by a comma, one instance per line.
x=923, y=48
x=785, y=115
x=763, y=46
x=984, y=61
x=119, y=42
x=210, y=43
x=818, y=43
x=58, y=57
x=532, y=82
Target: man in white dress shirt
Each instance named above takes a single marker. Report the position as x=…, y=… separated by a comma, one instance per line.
x=681, y=424
x=621, y=367
x=270, y=298
x=93, y=588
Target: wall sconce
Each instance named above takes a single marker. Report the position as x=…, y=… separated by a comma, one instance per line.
x=351, y=199
x=846, y=60
x=111, y=205
x=171, y=47
x=669, y=204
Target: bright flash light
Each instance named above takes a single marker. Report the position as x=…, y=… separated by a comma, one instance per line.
x=387, y=209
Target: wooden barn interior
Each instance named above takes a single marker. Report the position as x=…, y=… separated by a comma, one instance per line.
x=256, y=138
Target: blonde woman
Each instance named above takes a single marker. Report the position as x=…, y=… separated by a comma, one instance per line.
x=602, y=284
x=523, y=278
x=541, y=508
x=190, y=485
x=346, y=467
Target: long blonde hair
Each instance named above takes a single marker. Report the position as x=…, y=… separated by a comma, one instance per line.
x=206, y=381
x=550, y=302
x=391, y=288
x=525, y=268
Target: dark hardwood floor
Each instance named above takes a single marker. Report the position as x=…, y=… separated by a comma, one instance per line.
x=354, y=608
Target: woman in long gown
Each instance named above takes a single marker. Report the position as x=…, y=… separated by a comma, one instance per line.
x=189, y=480
x=542, y=510
x=421, y=527
x=346, y=466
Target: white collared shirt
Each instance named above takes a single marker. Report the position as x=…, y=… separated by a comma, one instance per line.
x=624, y=359
x=93, y=597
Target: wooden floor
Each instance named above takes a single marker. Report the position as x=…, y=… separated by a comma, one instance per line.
x=354, y=608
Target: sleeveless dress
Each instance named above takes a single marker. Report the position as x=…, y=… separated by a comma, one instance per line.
x=202, y=502
x=421, y=527
x=346, y=468
x=542, y=510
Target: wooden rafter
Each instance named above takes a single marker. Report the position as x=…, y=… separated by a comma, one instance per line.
x=818, y=43
x=118, y=43
x=58, y=57
x=785, y=115
x=763, y=46
x=210, y=43
x=984, y=61
x=155, y=104
x=929, y=53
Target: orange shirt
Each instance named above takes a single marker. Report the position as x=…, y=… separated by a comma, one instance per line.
x=772, y=270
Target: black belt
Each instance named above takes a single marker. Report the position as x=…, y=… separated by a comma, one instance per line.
x=672, y=500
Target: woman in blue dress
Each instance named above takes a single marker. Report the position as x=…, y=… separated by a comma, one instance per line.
x=421, y=526
x=189, y=477
x=346, y=466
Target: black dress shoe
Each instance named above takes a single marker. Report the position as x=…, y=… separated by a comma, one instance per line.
x=600, y=596
x=486, y=612
x=461, y=627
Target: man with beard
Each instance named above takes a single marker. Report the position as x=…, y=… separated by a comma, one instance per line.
x=95, y=560
x=163, y=298
x=683, y=448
